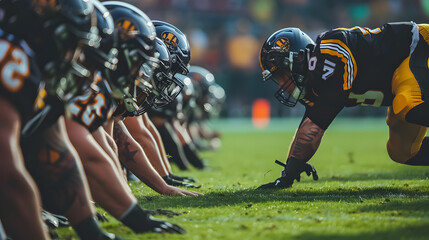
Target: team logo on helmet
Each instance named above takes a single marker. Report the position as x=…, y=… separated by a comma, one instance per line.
x=170, y=39
x=282, y=44
x=126, y=26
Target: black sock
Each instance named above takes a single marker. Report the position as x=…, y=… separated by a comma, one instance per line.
x=419, y=114
x=172, y=148
x=89, y=229
x=192, y=156
x=422, y=157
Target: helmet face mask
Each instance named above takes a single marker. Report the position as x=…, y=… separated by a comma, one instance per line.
x=283, y=59
x=165, y=86
x=66, y=33
x=178, y=66
x=137, y=57
x=103, y=58
x=57, y=31
x=289, y=93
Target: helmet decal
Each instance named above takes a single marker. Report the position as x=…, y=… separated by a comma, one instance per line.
x=126, y=25
x=283, y=44
x=170, y=39
x=281, y=53
x=42, y=6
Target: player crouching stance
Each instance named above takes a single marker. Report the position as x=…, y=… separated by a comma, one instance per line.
x=91, y=110
x=386, y=66
x=56, y=32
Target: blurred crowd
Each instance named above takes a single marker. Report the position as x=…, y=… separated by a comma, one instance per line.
x=226, y=36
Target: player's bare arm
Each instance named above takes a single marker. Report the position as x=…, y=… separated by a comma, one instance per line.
x=19, y=198
x=307, y=140
x=133, y=157
x=61, y=180
x=305, y=144
x=103, y=177
x=142, y=135
x=108, y=144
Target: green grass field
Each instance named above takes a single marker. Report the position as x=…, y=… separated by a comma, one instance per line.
x=361, y=193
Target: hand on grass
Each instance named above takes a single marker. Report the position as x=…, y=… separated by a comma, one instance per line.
x=292, y=172
x=170, y=190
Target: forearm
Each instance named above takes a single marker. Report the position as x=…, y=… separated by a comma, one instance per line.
x=132, y=156
x=19, y=200
x=106, y=142
x=60, y=177
x=19, y=197
x=108, y=188
x=307, y=140
x=145, y=139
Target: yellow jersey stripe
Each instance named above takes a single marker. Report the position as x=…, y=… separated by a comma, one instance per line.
x=337, y=48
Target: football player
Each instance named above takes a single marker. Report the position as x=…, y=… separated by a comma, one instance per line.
x=209, y=98
x=142, y=129
x=385, y=66
x=179, y=49
x=130, y=152
x=96, y=106
x=48, y=40
x=91, y=110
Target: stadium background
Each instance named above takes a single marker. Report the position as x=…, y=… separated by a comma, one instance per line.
x=226, y=37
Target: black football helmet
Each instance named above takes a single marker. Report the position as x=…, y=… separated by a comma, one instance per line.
x=188, y=98
x=165, y=84
x=163, y=87
x=201, y=79
x=216, y=99
x=57, y=31
x=136, y=51
x=177, y=44
x=286, y=52
x=104, y=58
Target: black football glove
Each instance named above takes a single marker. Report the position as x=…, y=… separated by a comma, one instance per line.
x=182, y=179
x=172, y=182
x=109, y=236
x=159, y=226
x=140, y=221
x=54, y=220
x=292, y=172
x=101, y=217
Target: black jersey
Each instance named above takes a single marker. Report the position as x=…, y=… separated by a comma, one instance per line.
x=20, y=79
x=94, y=107
x=350, y=67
